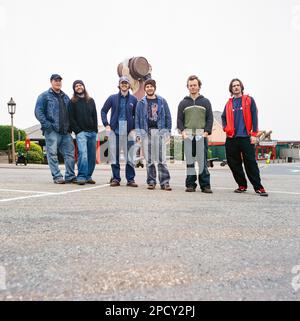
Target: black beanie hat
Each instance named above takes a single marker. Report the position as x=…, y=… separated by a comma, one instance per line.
x=78, y=82
x=150, y=82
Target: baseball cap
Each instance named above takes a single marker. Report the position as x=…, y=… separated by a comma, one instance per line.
x=124, y=79
x=55, y=77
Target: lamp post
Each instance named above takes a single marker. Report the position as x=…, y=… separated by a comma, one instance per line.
x=11, y=110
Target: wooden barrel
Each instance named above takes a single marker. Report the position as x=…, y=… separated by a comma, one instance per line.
x=138, y=67
x=120, y=68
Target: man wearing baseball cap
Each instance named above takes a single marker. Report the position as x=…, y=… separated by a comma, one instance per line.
x=119, y=130
x=52, y=112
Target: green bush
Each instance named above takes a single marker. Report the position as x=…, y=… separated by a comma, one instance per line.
x=209, y=153
x=35, y=154
x=5, y=136
x=35, y=157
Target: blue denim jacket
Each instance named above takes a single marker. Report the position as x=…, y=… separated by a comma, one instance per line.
x=112, y=104
x=164, y=122
x=47, y=110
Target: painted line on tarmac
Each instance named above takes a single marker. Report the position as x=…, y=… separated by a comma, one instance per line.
x=22, y=191
x=43, y=194
x=51, y=194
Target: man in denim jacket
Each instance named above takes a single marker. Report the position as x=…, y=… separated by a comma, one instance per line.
x=52, y=112
x=119, y=130
x=153, y=125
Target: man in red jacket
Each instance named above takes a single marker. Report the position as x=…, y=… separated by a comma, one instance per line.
x=240, y=123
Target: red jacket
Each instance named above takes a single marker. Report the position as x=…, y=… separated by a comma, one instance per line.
x=246, y=104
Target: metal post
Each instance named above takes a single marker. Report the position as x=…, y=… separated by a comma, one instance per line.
x=13, y=156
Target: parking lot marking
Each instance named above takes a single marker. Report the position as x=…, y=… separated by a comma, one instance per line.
x=43, y=194
x=22, y=191
x=51, y=194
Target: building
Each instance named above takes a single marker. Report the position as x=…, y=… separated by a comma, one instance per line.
x=35, y=135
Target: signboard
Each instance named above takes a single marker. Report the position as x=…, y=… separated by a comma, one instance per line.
x=268, y=143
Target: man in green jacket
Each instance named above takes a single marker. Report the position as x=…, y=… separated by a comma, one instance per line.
x=195, y=122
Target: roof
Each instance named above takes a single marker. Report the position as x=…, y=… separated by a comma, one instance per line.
x=34, y=132
x=217, y=116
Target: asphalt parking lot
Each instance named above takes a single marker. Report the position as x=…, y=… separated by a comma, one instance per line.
x=68, y=242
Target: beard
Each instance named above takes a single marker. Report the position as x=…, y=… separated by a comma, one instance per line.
x=80, y=94
x=151, y=94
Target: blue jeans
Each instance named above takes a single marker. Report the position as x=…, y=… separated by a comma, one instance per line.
x=117, y=143
x=65, y=145
x=86, y=143
x=154, y=147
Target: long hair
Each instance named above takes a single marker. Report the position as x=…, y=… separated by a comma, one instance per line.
x=193, y=77
x=75, y=98
x=231, y=83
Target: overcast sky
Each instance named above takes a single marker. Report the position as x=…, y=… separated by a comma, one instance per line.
x=257, y=41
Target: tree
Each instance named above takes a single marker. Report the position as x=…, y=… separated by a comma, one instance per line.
x=5, y=136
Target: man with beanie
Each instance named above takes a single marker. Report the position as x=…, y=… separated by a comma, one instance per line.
x=84, y=123
x=120, y=130
x=195, y=122
x=240, y=122
x=153, y=126
x=52, y=112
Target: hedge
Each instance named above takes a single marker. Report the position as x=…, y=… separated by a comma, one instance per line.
x=35, y=154
x=5, y=136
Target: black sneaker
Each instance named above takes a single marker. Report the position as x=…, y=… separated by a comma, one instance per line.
x=206, y=190
x=59, y=180
x=114, y=183
x=166, y=187
x=79, y=182
x=240, y=189
x=90, y=181
x=261, y=192
x=132, y=184
x=190, y=189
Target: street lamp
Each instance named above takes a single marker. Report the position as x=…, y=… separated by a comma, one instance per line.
x=11, y=110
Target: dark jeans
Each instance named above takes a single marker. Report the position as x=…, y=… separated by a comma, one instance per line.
x=117, y=144
x=154, y=147
x=239, y=150
x=196, y=151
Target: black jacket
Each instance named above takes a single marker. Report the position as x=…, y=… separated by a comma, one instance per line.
x=201, y=101
x=83, y=116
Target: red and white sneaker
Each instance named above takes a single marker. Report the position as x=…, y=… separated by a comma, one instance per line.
x=240, y=189
x=261, y=192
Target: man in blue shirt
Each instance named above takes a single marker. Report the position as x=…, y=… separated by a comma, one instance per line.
x=120, y=131
x=240, y=123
